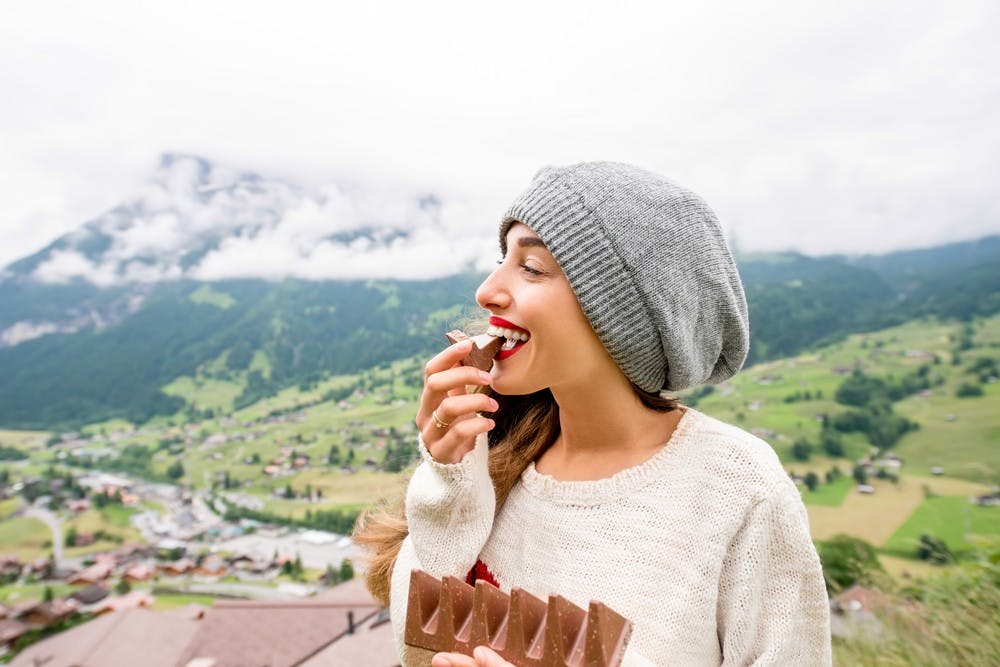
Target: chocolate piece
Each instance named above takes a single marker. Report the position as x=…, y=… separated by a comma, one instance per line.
x=484, y=348
x=450, y=615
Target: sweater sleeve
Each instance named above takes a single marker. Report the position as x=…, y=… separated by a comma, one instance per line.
x=772, y=605
x=449, y=511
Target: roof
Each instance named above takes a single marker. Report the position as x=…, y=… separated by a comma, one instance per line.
x=371, y=644
x=275, y=633
x=90, y=594
x=858, y=597
x=130, y=600
x=11, y=629
x=120, y=639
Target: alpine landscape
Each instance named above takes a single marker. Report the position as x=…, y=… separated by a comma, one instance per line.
x=202, y=388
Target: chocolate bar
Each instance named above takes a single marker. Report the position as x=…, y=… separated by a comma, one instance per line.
x=450, y=615
x=484, y=348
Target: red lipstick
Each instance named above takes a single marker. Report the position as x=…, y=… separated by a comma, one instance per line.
x=505, y=324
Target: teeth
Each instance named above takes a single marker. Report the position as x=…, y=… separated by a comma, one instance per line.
x=509, y=334
x=509, y=344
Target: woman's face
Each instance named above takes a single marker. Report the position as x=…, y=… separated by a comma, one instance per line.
x=529, y=295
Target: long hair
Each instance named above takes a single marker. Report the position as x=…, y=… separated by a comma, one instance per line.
x=525, y=427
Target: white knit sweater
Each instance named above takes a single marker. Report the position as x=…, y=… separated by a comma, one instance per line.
x=705, y=547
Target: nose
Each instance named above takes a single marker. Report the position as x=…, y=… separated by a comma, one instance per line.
x=492, y=293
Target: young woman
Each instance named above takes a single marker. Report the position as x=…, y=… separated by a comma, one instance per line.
x=574, y=474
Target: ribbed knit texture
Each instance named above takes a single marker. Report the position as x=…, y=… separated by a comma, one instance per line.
x=650, y=267
x=705, y=547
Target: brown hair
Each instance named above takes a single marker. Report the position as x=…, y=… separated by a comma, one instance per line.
x=525, y=427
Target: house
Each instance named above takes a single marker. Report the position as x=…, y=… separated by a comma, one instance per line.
x=178, y=567
x=866, y=489
x=11, y=630
x=84, y=539
x=123, y=638
x=99, y=571
x=77, y=506
x=211, y=566
x=988, y=499
x=130, y=600
x=44, y=614
x=139, y=572
x=10, y=566
x=90, y=595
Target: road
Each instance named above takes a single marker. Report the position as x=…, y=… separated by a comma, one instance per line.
x=53, y=523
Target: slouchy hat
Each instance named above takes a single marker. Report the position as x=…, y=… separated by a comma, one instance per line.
x=650, y=267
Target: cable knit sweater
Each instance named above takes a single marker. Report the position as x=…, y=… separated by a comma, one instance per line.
x=705, y=547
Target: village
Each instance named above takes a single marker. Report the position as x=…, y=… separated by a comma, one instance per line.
x=293, y=582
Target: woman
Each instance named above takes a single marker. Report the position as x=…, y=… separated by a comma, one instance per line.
x=572, y=474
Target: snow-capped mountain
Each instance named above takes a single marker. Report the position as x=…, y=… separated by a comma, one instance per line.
x=203, y=221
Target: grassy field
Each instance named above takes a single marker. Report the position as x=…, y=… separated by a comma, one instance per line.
x=829, y=495
x=113, y=520
x=19, y=594
x=952, y=518
x=26, y=440
x=875, y=518
x=27, y=539
x=164, y=602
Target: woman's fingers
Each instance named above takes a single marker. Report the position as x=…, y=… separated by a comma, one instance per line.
x=448, y=357
x=447, y=418
x=440, y=384
x=459, y=438
x=488, y=658
x=484, y=657
x=454, y=407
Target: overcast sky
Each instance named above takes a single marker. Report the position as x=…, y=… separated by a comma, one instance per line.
x=825, y=127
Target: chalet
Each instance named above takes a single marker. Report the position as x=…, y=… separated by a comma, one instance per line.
x=178, y=567
x=84, y=539
x=130, y=600
x=300, y=462
x=90, y=595
x=44, y=614
x=988, y=499
x=97, y=572
x=866, y=489
x=211, y=566
x=240, y=562
x=10, y=566
x=271, y=469
x=139, y=572
x=41, y=567
x=11, y=630
x=77, y=506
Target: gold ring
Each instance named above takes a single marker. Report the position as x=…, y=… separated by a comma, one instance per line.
x=438, y=421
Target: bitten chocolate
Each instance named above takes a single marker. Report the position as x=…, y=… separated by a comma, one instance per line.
x=484, y=348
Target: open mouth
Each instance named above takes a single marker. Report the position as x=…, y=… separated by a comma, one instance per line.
x=514, y=336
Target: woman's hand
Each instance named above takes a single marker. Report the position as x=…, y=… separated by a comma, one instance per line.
x=447, y=418
x=484, y=657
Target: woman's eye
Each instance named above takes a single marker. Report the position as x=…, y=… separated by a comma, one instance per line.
x=528, y=269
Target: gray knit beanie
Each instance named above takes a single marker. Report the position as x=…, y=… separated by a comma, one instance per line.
x=649, y=266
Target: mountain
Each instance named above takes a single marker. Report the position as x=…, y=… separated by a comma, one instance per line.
x=174, y=283
x=196, y=220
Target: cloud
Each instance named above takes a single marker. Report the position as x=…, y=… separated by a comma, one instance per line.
x=846, y=126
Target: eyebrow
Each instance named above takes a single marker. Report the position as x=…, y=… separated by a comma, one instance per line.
x=531, y=242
